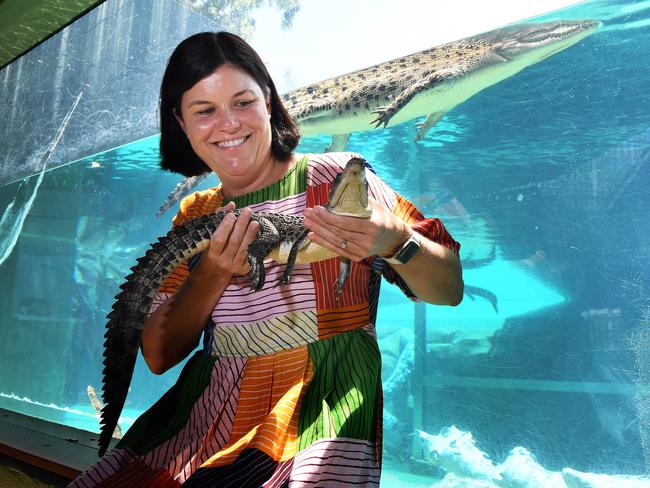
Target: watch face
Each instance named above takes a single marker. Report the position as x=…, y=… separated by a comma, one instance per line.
x=408, y=251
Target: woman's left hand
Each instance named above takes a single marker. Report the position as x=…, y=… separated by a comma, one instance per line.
x=357, y=238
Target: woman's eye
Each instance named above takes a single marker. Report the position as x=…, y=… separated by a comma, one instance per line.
x=205, y=111
x=244, y=103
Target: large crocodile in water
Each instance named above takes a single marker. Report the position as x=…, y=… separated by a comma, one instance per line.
x=280, y=237
x=428, y=83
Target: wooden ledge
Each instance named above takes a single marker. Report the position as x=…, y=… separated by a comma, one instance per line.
x=53, y=447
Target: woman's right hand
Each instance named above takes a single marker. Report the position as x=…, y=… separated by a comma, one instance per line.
x=228, y=250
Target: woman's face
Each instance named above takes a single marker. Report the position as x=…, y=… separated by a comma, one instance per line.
x=226, y=118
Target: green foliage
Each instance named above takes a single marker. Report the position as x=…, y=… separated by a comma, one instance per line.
x=236, y=16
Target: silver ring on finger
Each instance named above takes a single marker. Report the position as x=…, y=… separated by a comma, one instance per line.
x=344, y=244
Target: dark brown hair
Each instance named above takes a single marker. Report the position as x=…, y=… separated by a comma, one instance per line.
x=194, y=59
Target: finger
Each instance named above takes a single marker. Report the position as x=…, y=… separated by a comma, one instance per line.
x=348, y=252
x=249, y=236
x=219, y=237
x=239, y=229
x=228, y=207
x=251, y=232
x=345, y=222
x=334, y=234
x=342, y=242
x=323, y=230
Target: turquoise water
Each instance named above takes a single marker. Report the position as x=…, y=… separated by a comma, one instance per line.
x=542, y=178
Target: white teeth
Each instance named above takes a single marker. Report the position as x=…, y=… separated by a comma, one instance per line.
x=232, y=143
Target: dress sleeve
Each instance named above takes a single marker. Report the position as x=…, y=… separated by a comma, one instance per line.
x=431, y=228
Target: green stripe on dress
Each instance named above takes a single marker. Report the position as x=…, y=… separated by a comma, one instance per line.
x=169, y=415
x=292, y=183
x=343, y=393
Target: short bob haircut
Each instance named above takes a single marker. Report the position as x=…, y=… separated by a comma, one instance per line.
x=194, y=59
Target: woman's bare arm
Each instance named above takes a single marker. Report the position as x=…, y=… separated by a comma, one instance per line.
x=173, y=330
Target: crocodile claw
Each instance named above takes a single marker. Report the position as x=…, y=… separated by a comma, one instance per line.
x=383, y=117
x=285, y=279
x=257, y=276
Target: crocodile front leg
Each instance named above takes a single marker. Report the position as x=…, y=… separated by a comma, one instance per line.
x=344, y=273
x=300, y=243
x=424, y=126
x=268, y=238
x=384, y=114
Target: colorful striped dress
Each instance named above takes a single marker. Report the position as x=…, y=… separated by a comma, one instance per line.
x=286, y=391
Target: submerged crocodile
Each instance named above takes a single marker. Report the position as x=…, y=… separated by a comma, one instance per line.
x=428, y=83
x=280, y=237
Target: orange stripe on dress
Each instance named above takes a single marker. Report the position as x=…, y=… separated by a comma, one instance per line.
x=337, y=320
x=406, y=211
x=199, y=203
x=175, y=279
x=268, y=408
x=431, y=228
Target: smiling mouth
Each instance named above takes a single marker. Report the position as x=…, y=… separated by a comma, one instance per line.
x=232, y=142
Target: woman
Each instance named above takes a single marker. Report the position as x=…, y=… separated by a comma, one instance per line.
x=286, y=391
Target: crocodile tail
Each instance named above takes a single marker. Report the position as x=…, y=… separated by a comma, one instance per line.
x=119, y=341
x=182, y=188
x=131, y=308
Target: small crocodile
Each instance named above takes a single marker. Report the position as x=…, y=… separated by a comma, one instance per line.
x=428, y=83
x=280, y=237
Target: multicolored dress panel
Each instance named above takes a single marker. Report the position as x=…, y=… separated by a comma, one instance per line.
x=287, y=390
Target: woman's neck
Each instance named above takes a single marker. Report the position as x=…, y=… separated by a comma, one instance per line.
x=276, y=170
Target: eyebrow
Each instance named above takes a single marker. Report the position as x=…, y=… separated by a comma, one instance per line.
x=203, y=102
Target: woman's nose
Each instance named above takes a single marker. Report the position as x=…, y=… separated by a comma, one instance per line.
x=227, y=120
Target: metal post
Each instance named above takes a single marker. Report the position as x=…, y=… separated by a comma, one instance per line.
x=417, y=378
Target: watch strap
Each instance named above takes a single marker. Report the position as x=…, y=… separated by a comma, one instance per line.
x=406, y=251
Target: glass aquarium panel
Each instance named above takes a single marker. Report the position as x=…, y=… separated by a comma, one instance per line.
x=74, y=249
x=541, y=177
x=114, y=56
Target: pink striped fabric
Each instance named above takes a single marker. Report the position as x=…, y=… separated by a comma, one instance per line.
x=336, y=462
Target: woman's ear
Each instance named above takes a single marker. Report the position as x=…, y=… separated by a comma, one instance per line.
x=180, y=120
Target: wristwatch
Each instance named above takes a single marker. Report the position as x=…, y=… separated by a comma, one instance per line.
x=406, y=251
